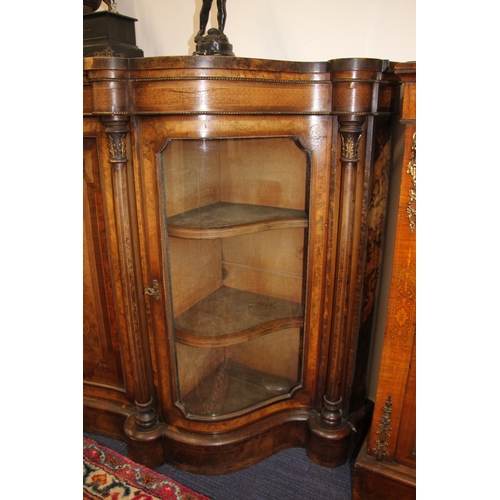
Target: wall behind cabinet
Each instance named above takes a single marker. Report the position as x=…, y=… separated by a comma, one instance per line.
x=298, y=30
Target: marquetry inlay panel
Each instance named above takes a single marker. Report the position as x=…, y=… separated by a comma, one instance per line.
x=220, y=96
x=406, y=447
x=378, y=186
x=402, y=312
x=101, y=358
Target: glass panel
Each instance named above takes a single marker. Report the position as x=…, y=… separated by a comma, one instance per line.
x=237, y=227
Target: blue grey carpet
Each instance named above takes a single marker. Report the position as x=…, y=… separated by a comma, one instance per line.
x=288, y=474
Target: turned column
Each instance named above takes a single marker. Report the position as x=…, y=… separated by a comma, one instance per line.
x=350, y=131
x=362, y=94
x=145, y=417
x=330, y=431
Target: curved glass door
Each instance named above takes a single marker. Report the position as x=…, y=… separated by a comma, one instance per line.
x=237, y=219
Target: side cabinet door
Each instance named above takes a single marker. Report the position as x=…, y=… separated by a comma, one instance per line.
x=105, y=385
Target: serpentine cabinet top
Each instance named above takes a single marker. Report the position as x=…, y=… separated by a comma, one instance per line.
x=236, y=85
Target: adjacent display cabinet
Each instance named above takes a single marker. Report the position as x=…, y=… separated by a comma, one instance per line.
x=386, y=466
x=234, y=214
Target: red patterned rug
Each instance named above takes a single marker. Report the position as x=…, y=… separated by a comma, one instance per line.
x=109, y=476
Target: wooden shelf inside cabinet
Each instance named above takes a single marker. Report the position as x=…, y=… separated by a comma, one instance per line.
x=232, y=387
x=229, y=316
x=222, y=220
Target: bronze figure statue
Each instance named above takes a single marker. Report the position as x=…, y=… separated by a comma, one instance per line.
x=204, y=14
x=215, y=42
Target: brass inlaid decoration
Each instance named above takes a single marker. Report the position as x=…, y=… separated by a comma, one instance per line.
x=350, y=148
x=118, y=151
x=411, y=209
x=380, y=451
x=212, y=78
x=109, y=52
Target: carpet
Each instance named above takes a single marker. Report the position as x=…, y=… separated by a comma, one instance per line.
x=109, y=476
x=288, y=474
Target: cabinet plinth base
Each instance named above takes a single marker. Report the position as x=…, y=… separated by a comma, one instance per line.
x=144, y=447
x=225, y=452
x=215, y=454
x=333, y=446
x=105, y=418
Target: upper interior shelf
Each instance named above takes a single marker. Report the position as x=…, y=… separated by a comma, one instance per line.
x=222, y=220
x=230, y=316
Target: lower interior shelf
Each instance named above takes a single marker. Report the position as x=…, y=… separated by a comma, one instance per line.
x=229, y=316
x=232, y=387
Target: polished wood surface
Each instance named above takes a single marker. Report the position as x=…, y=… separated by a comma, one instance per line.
x=246, y=203
x=386, y=468
x=102, y=359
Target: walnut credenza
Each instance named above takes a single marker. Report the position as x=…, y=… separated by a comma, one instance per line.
x=234, y=214
x=386, y=466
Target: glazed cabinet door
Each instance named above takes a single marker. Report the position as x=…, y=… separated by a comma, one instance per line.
x=235, y=269
x=235, y=216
